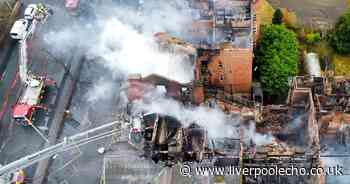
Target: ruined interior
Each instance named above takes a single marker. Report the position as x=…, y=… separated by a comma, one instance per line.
x=217, y=22
x=295, y=139
x=158, y=85
x=283, y=135
x=167, y=140
x=222, y=31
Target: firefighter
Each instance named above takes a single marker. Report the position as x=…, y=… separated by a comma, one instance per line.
x=18, y=177
x=40, y=12
x=41, y=8
x=43, y=11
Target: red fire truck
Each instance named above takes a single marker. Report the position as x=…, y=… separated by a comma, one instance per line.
x=29, y=101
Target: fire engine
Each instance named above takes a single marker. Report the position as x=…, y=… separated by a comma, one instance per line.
x=33, y=89
x=29, y=101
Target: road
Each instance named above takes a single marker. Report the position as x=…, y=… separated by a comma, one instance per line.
x=84, y=165
x=52, y=46
x=46, y=59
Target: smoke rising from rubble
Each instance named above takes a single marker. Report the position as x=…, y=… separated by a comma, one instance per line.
x=126, y=43
x=100, y=90
x=250, y=134
x=216, y=122
x=121, y=39
x=125, y=50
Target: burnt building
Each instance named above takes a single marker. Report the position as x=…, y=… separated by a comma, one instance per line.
x=332, y=105
x=139, y=87
x=333, y=110
x=223, y=33
x=286, y=136
x=220, y=45
x=227, y=69
x=165, y=139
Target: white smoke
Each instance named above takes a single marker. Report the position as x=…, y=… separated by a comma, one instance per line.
x=125, y=50
x=100, y=91
x=122, y=40
x=250, y=134
x=125, y=44
x=156, y=16
x=217, y=123
x=60, y=41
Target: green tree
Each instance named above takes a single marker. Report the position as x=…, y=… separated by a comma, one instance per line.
x=277, y=58
x=277, y=17
x=312, y=38
x=340, y=36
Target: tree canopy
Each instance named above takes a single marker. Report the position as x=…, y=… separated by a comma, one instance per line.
x=313, y=38
x=340, y=36
x=277, y=17
x=277, y=58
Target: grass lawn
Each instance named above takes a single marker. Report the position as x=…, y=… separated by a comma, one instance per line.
x=341, y=65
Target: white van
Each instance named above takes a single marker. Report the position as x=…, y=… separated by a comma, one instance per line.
x=19, y=29
x=30, y=11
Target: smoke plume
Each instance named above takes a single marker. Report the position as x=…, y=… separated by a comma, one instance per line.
x=124, y=50
x=217, y=123
x=122, y=40
x=251, y=135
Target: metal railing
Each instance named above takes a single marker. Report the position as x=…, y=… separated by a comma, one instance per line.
x=68, y=143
